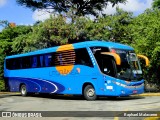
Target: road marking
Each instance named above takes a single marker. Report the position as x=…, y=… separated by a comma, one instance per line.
x=133, y=108
x=116, y=118
x=147, y=118
x=152, y=118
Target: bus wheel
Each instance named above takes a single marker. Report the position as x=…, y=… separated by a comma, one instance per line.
x=23, y=90
x=89, y=93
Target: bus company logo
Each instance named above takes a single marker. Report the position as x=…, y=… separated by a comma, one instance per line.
x=66, y=59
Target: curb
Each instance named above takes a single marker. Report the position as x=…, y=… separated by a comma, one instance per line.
x=9, y=93
x=148, y=94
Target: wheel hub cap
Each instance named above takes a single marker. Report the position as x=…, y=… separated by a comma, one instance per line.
x=23, y=90
x=90, y=93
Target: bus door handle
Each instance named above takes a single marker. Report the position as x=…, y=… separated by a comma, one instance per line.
x=94, y=78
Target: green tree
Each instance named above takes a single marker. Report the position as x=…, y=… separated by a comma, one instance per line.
x=111, y=27
x=146, y=40
x=80, y=7
x=4, y=23
x=119, y=25
x=156, y=4
x=7, y=37
x=51, y=32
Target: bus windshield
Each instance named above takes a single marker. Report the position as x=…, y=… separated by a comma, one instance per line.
x=128, y=70
x=130, y=67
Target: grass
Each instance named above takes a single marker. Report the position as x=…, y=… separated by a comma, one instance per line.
x=2, y=85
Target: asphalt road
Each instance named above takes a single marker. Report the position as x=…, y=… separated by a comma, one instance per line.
x=72, y=103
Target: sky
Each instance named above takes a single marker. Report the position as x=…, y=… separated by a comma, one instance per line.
x=12, y=12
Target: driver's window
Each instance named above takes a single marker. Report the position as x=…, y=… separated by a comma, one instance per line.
x=108, y=66
x=106, y=63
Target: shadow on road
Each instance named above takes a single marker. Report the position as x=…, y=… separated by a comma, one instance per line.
x=75, y=97
x=121, y=98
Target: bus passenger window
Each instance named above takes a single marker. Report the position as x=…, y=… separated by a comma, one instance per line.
x=20, y=63
x=13, y=65
x=8, y=64
x=41, y=61
x=64, y=58
x=34, y=62
x=26, y=62
x=83, y=58
x=48, y=60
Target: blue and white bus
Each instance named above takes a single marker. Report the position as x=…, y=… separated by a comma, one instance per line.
x=91, y=69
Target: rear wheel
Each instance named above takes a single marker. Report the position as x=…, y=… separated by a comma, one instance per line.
x=89, y=93
x=23, y=90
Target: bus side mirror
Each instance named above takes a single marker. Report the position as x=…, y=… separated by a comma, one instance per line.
x=114, y=55
x=145, y=58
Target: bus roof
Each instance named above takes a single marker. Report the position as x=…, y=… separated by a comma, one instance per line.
x=77, y=45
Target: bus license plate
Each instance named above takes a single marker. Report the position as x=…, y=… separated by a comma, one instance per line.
x=134, y=91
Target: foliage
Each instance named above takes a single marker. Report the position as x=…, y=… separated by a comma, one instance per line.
x=50, y=33
x=109, y=28
x=156, y=4
x=2, y=86
x=146, y=40
x=8, y=36
x=78, y=7
x=4, y=23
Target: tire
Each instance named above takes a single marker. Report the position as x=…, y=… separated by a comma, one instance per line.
x=89, y=93
x=23, y=90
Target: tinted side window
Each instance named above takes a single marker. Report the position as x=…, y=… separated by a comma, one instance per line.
x=9, y=64
x=26, y=62
x=82, y=57
x=64, y=58
x=12, y=63
x=41, y=59
x=61, y=58
x=34, y=61
x=48, y=60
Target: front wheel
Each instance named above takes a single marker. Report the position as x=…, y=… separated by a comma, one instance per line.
x=23, y=90
x=89, y=93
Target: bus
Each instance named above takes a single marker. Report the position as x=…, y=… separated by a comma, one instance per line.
x=90, y=69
